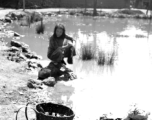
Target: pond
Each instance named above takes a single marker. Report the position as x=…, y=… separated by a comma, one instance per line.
x=103, y=33
x=130, y=76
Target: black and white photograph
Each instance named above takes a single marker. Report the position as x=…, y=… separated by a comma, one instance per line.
x=75, y=59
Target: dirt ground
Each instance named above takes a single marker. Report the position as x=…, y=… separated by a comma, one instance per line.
x=14, y=92
x=13, y=88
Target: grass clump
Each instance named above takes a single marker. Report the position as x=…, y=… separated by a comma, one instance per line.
x=87, y=52
x=101, y=58
x=105, y=58
x=137, y=114
x=40, y=28
x=111, y=59
x=33, y=17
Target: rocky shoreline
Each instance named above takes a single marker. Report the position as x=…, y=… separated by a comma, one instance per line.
x=19, y=51
x=37, y=16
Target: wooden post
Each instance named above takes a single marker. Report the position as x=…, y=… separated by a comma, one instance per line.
x=148, y=7
x=85, y=6
x=95, y=8
x=23, y=5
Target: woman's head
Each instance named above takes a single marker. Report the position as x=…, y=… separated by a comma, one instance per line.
x=59, y=31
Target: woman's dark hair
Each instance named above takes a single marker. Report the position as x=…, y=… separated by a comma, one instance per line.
x=61, y=26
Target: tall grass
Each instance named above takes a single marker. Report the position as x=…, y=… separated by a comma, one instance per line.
x=111, y=59
x=40, y=28
x=105, y=58
x=33, y=17
x=101, y=58
x=87, y=52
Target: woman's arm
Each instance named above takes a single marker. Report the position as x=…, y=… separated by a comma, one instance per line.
x=50, y=48
x=69, y=38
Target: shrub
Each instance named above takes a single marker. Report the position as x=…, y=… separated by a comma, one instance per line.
x=72, y=12
x=105, y=58
x=111, y=57
x=40, y=28
x=87, y=52
x=136, y=114
x=101, y=58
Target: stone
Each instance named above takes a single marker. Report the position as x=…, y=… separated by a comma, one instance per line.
x=17, y=44
x=44, y=73
x=32, y=64
x=55, y=71
x=23, y=46
x=8, y=19
x=14, y=49
x=15, y=15
x=28, y=55
x=34, y=81
x=49, y=81
x=32, y=55
x=23, y=57
x=33, y=84
x=18, y=35
x=35, y=56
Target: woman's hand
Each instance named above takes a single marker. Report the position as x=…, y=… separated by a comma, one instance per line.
x=74, y=40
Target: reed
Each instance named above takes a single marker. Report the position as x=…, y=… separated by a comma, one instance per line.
x=87, y=52
x=40, y=28
x=101, y=59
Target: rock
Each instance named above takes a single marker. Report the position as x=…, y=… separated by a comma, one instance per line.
x=49, y=81
x=14, y=49
x=32, y=64
x=37, y=82
x=48, y=13
x=67, y=77
x=8, y=19
x=32, y=55
x=34, y=86
x=23, y=57
x=23, y=46
x=16, y=15
x=138, y=117
x=15, y=56
x=18, y=35
x=26, y=49
x=44, y=73
x=35, y=56
x=28, y=55
x=9, y=33
x=16, y=43
x=33, y=16
x=55, y=71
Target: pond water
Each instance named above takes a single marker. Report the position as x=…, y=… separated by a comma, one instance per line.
x=102, y=33
x=128, y=81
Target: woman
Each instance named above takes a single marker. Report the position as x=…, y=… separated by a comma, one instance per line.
x=59, y=47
